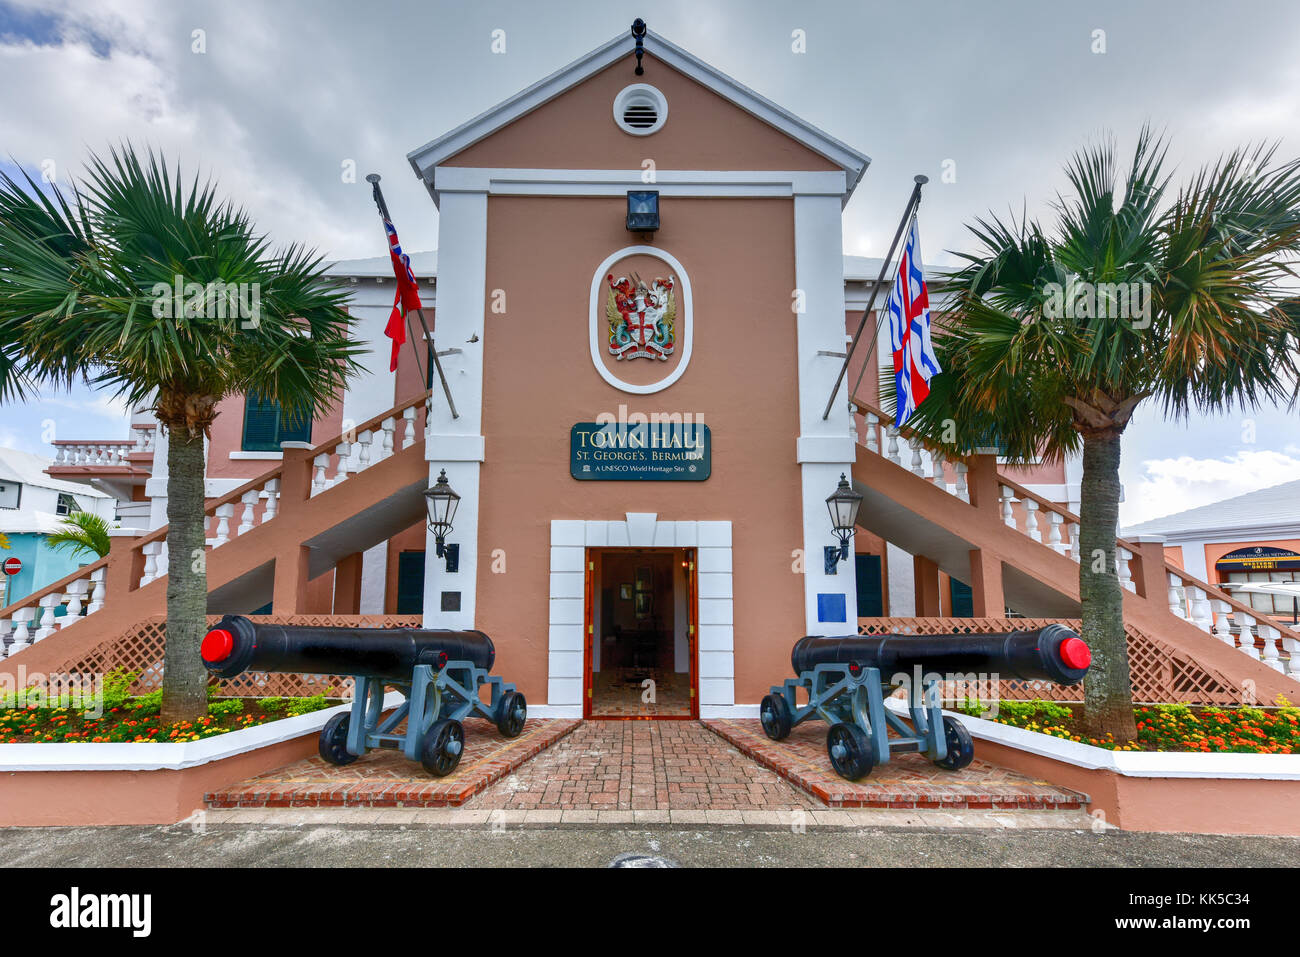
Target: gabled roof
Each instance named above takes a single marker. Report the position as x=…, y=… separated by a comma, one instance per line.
x=1278, y=505
x=423, y=264
x=428, y=156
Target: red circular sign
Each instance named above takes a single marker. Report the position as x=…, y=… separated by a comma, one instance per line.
x=13, y=566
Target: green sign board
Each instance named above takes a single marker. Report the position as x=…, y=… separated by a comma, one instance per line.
x=654, y=451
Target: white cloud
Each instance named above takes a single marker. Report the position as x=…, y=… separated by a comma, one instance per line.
x=1176, y=484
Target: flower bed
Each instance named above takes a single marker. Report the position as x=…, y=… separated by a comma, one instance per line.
x=1165, y=727
x=28, y=718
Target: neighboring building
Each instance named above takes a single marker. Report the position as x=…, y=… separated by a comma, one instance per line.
x=1253, y=537
x=33, y=506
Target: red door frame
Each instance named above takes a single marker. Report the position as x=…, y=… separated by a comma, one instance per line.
x=692, y=636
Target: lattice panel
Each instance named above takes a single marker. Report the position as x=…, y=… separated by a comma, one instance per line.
x=1160, y=673
x=142, y=649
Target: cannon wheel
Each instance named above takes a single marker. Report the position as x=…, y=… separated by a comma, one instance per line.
x=334, y=740
x=774, y=714
x=849, y=749
x=513, y=712
x=961, y=749
x=443, y=745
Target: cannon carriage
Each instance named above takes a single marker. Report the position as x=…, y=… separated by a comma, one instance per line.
x=845, y=681
x=439, y=673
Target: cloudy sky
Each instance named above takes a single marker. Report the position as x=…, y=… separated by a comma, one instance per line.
x=278, y=99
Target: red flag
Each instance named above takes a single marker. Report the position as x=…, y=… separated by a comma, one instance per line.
x=406, y=298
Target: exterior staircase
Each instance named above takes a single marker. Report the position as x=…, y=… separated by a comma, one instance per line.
x=265, y=540
x=1017, y=549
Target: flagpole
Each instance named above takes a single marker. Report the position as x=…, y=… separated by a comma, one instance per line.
x=912, y=202
x=426, y=372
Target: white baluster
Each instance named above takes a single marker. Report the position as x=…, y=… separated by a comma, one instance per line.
x=891, y=451
x=96, y=591
x=344, y=451
x=250, y=500
x=164, y=560
x=1008, y=515
x=389, y=425
x=408, y=416
x=1176, y=596
x=1246, y=634
x=1054, y=540
x=1292, y=646
x=936, y=469
x=1270, y=656
x=918, y=467
x=1031, y=520
x=47, y=622
x=1074, y=541
x=363, y=457
x=61, y=455
x=1223, y=622
x=318, y=481
x=224, y=514
x=1124, y=568
x=873, y=437
x=963, y=487
x=22, y=634
x=272, y=489
x=76, y=591
x=150, y=563
x=1199, y=604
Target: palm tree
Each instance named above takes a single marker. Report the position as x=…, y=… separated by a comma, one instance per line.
x=1055, y=336
x=165, y=295
x=83, y=533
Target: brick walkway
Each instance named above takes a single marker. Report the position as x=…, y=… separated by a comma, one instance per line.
x=387, y=779
x=907, y=781
x=642, y=765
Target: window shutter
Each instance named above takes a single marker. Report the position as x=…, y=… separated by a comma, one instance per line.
x=261, y=425
x=296, y=429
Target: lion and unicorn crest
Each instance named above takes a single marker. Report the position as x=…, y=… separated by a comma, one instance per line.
x=641, y=317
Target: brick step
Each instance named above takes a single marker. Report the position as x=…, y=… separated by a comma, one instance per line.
x=908, y=781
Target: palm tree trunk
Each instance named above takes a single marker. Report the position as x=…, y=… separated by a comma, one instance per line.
x=1108, y=695
x=184, y=677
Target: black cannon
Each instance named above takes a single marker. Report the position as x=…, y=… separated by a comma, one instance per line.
x=438, y=672
x=846, y=680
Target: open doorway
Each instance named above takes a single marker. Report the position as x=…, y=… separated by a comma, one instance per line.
x=641, y=617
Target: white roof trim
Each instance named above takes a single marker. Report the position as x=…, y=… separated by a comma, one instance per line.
x=426, y=158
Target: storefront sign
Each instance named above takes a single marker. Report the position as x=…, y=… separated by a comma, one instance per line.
x=1259, y=558
x=656, y=451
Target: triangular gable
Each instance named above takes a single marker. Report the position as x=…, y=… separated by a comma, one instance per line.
x=442, y=150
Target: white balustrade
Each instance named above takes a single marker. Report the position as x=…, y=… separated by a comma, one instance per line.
x=1054, y=539
x=891, y=451
x=1292, y=646
x=389, y=427
x=344, y=451
x=936, y=470
x=1074, y=541
x=164, y=560
x=363, y=457
x=150, y=550
x=873, y=435
x=224, y=514
x=1246, y=634
x=319, y=482
x=963, y=488
x=918, y=466
x=76, y=592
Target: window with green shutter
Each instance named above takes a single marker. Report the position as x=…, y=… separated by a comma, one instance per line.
x=266, y=426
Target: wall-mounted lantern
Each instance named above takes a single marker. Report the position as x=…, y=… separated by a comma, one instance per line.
x=441, y=503
x=642, y=210
x=843, y=505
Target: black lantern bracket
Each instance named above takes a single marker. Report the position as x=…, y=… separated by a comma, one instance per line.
x=638, y=32
x=843, y=505
x=441, y=502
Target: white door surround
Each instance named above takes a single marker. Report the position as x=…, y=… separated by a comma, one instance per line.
x=570, y=540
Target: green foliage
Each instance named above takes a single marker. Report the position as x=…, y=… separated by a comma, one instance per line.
x=273, y=704
x=299, y=706
x=83, y=534
x=146, y=704
x=227, y=706
x=117, y=687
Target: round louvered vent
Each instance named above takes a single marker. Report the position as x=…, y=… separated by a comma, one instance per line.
x=640, y=109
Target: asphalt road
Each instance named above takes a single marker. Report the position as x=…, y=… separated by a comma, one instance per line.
x=230, y=845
